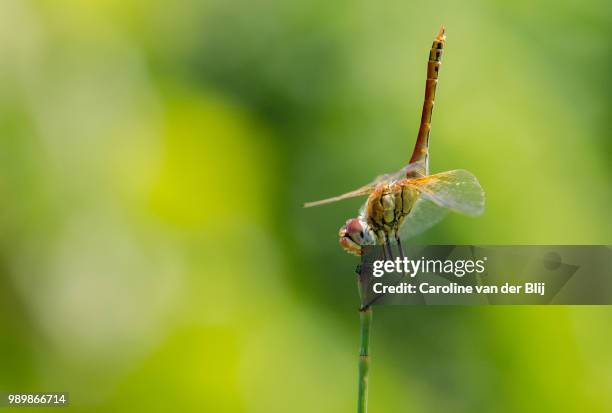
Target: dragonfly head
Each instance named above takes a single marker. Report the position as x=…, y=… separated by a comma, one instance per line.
x=355, y=233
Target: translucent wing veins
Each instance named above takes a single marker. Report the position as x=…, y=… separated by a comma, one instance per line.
x=457, y=190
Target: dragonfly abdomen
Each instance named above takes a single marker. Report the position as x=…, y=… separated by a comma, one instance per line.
x=421, y=148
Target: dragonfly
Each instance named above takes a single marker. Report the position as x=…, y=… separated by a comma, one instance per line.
x=407, y=202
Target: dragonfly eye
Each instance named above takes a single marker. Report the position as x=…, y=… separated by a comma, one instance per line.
x=354, y=227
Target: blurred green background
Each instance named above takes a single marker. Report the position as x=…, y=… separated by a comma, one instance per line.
x=154, y=157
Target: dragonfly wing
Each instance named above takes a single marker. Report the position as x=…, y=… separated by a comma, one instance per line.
x=414, y=169
x=424, y=215
x=457, y=190
x=364, y=190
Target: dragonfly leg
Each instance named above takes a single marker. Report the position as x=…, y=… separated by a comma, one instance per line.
x=388, y=247
x=384, y=253
x=401, y=252
x=399, y=246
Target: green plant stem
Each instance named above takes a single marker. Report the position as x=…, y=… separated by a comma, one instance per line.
x=365, y=324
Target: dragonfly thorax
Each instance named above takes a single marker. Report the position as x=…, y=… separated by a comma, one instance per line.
x=386, y=209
